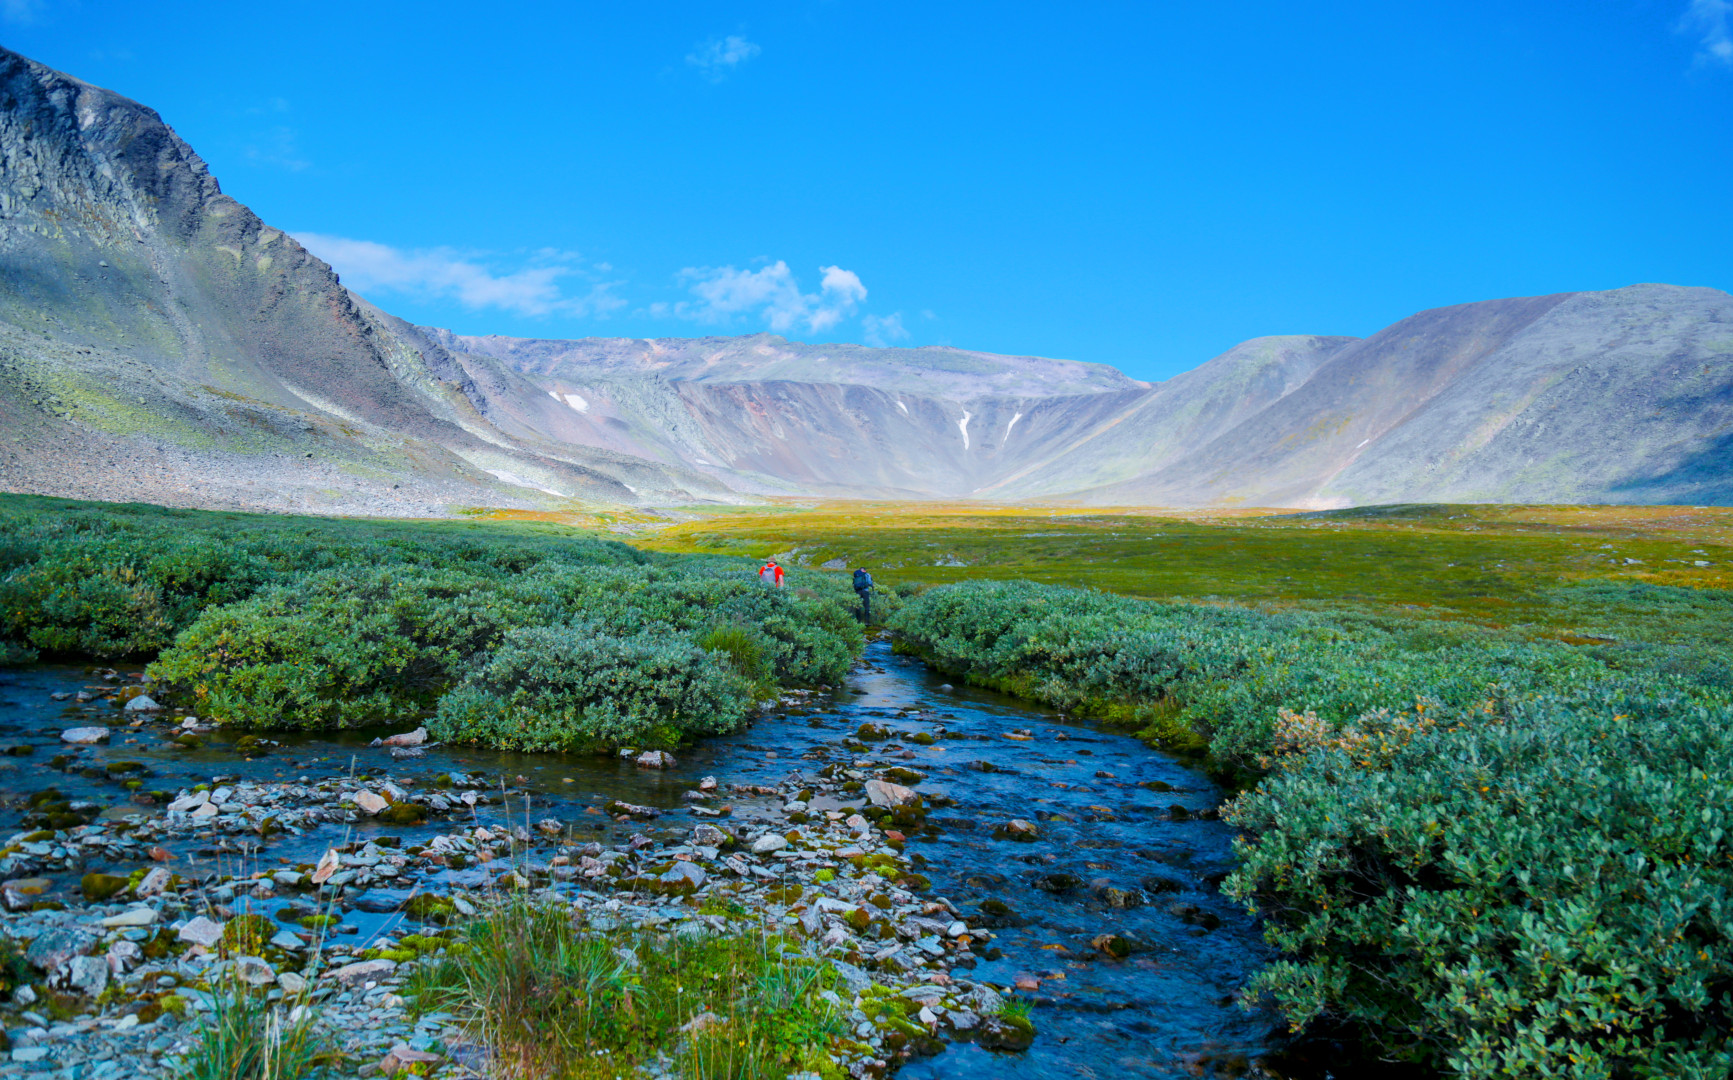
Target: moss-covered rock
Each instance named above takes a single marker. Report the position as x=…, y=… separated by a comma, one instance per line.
x=247, y=935
x=403, y=813
x=100, y=887
x=426, y=907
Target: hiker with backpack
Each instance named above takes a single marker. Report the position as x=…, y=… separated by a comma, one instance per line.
x=771, y=574
x=863, y=588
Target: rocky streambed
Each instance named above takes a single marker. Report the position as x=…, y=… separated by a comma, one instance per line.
x=945, y=849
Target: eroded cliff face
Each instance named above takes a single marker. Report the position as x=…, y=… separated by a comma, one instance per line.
x=159, y=342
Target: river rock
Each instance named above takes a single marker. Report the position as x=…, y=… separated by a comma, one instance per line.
x=401, y=1057
x=138, y=916
x=363, y=971
x=686, y=872
x=1020, y=829
x=254, y=971
x=152, y=884
x=655, y=759
x=84, y=736
x=202, y=931
x=381, y=901
x=633, y=810
x=186, y=804
x=884, y=793
x=21, y=894
x=143, y=703
x=291, y=982
x=328, y=864
x=123, y=956
x=768, y=843
x=99, y=887
x=370, y=803
x=709, y=836
x=408, y=738
x=55, y=947
x=88, y=975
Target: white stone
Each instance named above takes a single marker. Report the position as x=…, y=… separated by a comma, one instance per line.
x=87, y=974
x=143, y=703
x=685, y=871
x=370, y=803
x=152, y=884
x=202, y=931
x=884, y=793
x=408, y=738
x=138, y=916
x=84, y=736
x=206, y=810
x=288, y=941
x=767, y=843
x=328, y=865
x=291, y=982
x=188, y=803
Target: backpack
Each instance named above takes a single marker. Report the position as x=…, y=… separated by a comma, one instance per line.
x=862, y=580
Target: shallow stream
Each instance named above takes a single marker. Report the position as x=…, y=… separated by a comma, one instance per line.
x=1127, y=843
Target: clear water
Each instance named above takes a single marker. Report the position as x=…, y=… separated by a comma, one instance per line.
x=1167, y=1010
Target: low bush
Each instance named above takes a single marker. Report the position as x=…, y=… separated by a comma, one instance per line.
x=338, y=648
x=1203, y=676
x=300, y=623
x=1529, y=888
x=1497, y=856
x=577, y=687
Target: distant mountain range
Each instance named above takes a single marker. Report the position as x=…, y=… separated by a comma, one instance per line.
x=159, y=342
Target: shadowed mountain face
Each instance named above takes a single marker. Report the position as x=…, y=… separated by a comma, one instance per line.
x=159, y=342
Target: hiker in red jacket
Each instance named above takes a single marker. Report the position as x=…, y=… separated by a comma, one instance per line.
x=771, y=574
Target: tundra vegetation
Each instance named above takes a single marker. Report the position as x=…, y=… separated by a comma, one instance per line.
x=553, y=1000
x=515, y=636
x=1481, y=755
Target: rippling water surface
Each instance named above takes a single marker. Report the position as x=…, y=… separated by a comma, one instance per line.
x=1105, y=824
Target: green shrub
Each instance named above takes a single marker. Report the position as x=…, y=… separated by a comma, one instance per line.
x=339, y=648
x=577, y=687
x=1218, y=675
x=746, y=649
x=1535, y=888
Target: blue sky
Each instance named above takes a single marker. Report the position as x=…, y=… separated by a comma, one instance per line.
x=1142, y=185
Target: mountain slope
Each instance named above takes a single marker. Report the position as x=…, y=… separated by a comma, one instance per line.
x=1622, y=396
x=156, y=326
x=159, y=342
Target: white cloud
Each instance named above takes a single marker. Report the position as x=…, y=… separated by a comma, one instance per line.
x=771, y=293
x=20, y=12
x=444, y=274
x=881, y=330
x=1711, y=22
x=715, y=58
